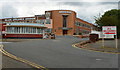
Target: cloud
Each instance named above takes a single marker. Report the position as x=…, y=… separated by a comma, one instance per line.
x=59, y=0
x=119, y=5
x=85, y=9
x=8, y=10
x=35, y=8
x=87, y=3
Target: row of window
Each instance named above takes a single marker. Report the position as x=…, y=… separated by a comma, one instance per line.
x=81, y=31
x=25, y=30
x=85, y=32
x=19, y=19
x=82, y=24
x=27, y=21
x=29, y=18
x=46, y=21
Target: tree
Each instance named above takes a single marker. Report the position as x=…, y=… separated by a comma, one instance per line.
x=109, y=18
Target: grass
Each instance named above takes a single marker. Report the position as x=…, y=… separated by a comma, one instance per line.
x=107, y=48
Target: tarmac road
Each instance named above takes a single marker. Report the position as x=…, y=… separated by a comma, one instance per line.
x=59, y=53
x=11, y=64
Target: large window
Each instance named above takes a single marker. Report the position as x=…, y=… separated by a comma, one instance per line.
x=25, y=30
x=65, y=20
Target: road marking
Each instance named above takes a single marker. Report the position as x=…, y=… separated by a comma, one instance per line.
x=98, y=59
x=21, y=59
x=56, y=40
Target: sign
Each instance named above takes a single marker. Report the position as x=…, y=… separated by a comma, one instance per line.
x=108, y=36
x=69, y=12
x=109, y=30
x=64, y=28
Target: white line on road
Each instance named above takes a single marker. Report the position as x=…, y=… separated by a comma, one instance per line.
x=98, y=59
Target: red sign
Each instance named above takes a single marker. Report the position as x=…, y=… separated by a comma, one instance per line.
x=109, y=30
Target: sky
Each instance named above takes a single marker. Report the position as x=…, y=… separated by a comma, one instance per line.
x=85, y=9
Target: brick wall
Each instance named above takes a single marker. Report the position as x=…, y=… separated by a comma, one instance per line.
x=58, y=22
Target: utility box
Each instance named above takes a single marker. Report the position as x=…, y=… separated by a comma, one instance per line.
x=94, y=37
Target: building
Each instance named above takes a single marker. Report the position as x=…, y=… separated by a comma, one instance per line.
x=59, y=22
x=24, y=27
x=65, y=22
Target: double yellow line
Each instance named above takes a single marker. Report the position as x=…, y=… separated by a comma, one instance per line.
x=21, y=59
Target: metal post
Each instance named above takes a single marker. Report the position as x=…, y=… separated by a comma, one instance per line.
x=116, y=39
x=116, y=42
x=103, y=41
x=103, y=38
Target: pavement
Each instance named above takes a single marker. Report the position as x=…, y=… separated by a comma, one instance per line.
x=16, y=40
x=60, y=53
x=109, y=46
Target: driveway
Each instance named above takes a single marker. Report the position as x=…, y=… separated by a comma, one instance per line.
x=59, y=53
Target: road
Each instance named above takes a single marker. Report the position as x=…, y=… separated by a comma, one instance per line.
x=59, y=53
x=9, y=63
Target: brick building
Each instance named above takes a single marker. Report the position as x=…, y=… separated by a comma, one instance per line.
x=65, y=22
x=59, y=22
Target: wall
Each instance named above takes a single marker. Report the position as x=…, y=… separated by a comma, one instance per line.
x=58, y=22
x=23, y=36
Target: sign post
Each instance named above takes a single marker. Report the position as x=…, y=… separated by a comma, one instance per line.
x=116, y=41
x=110, y=30
x=103, y=40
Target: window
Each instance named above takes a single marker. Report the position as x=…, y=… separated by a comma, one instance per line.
x=34, y=30
x=12, y=29
x=65, y=20
x=15, y=31
x=85, y=32
x=48, y=30
x=25, y=30
x=40, y=21
x=48, y=21
x=77, y=23
x=40, y=31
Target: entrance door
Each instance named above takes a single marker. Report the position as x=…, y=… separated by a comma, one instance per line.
x=64, y=32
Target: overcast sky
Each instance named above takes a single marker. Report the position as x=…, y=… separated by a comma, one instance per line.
x=86, y=9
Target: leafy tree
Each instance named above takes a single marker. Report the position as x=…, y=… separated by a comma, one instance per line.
x=109, y=18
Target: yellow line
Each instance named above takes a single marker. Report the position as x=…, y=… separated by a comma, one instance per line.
x=93, y=50
x=21, y=59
